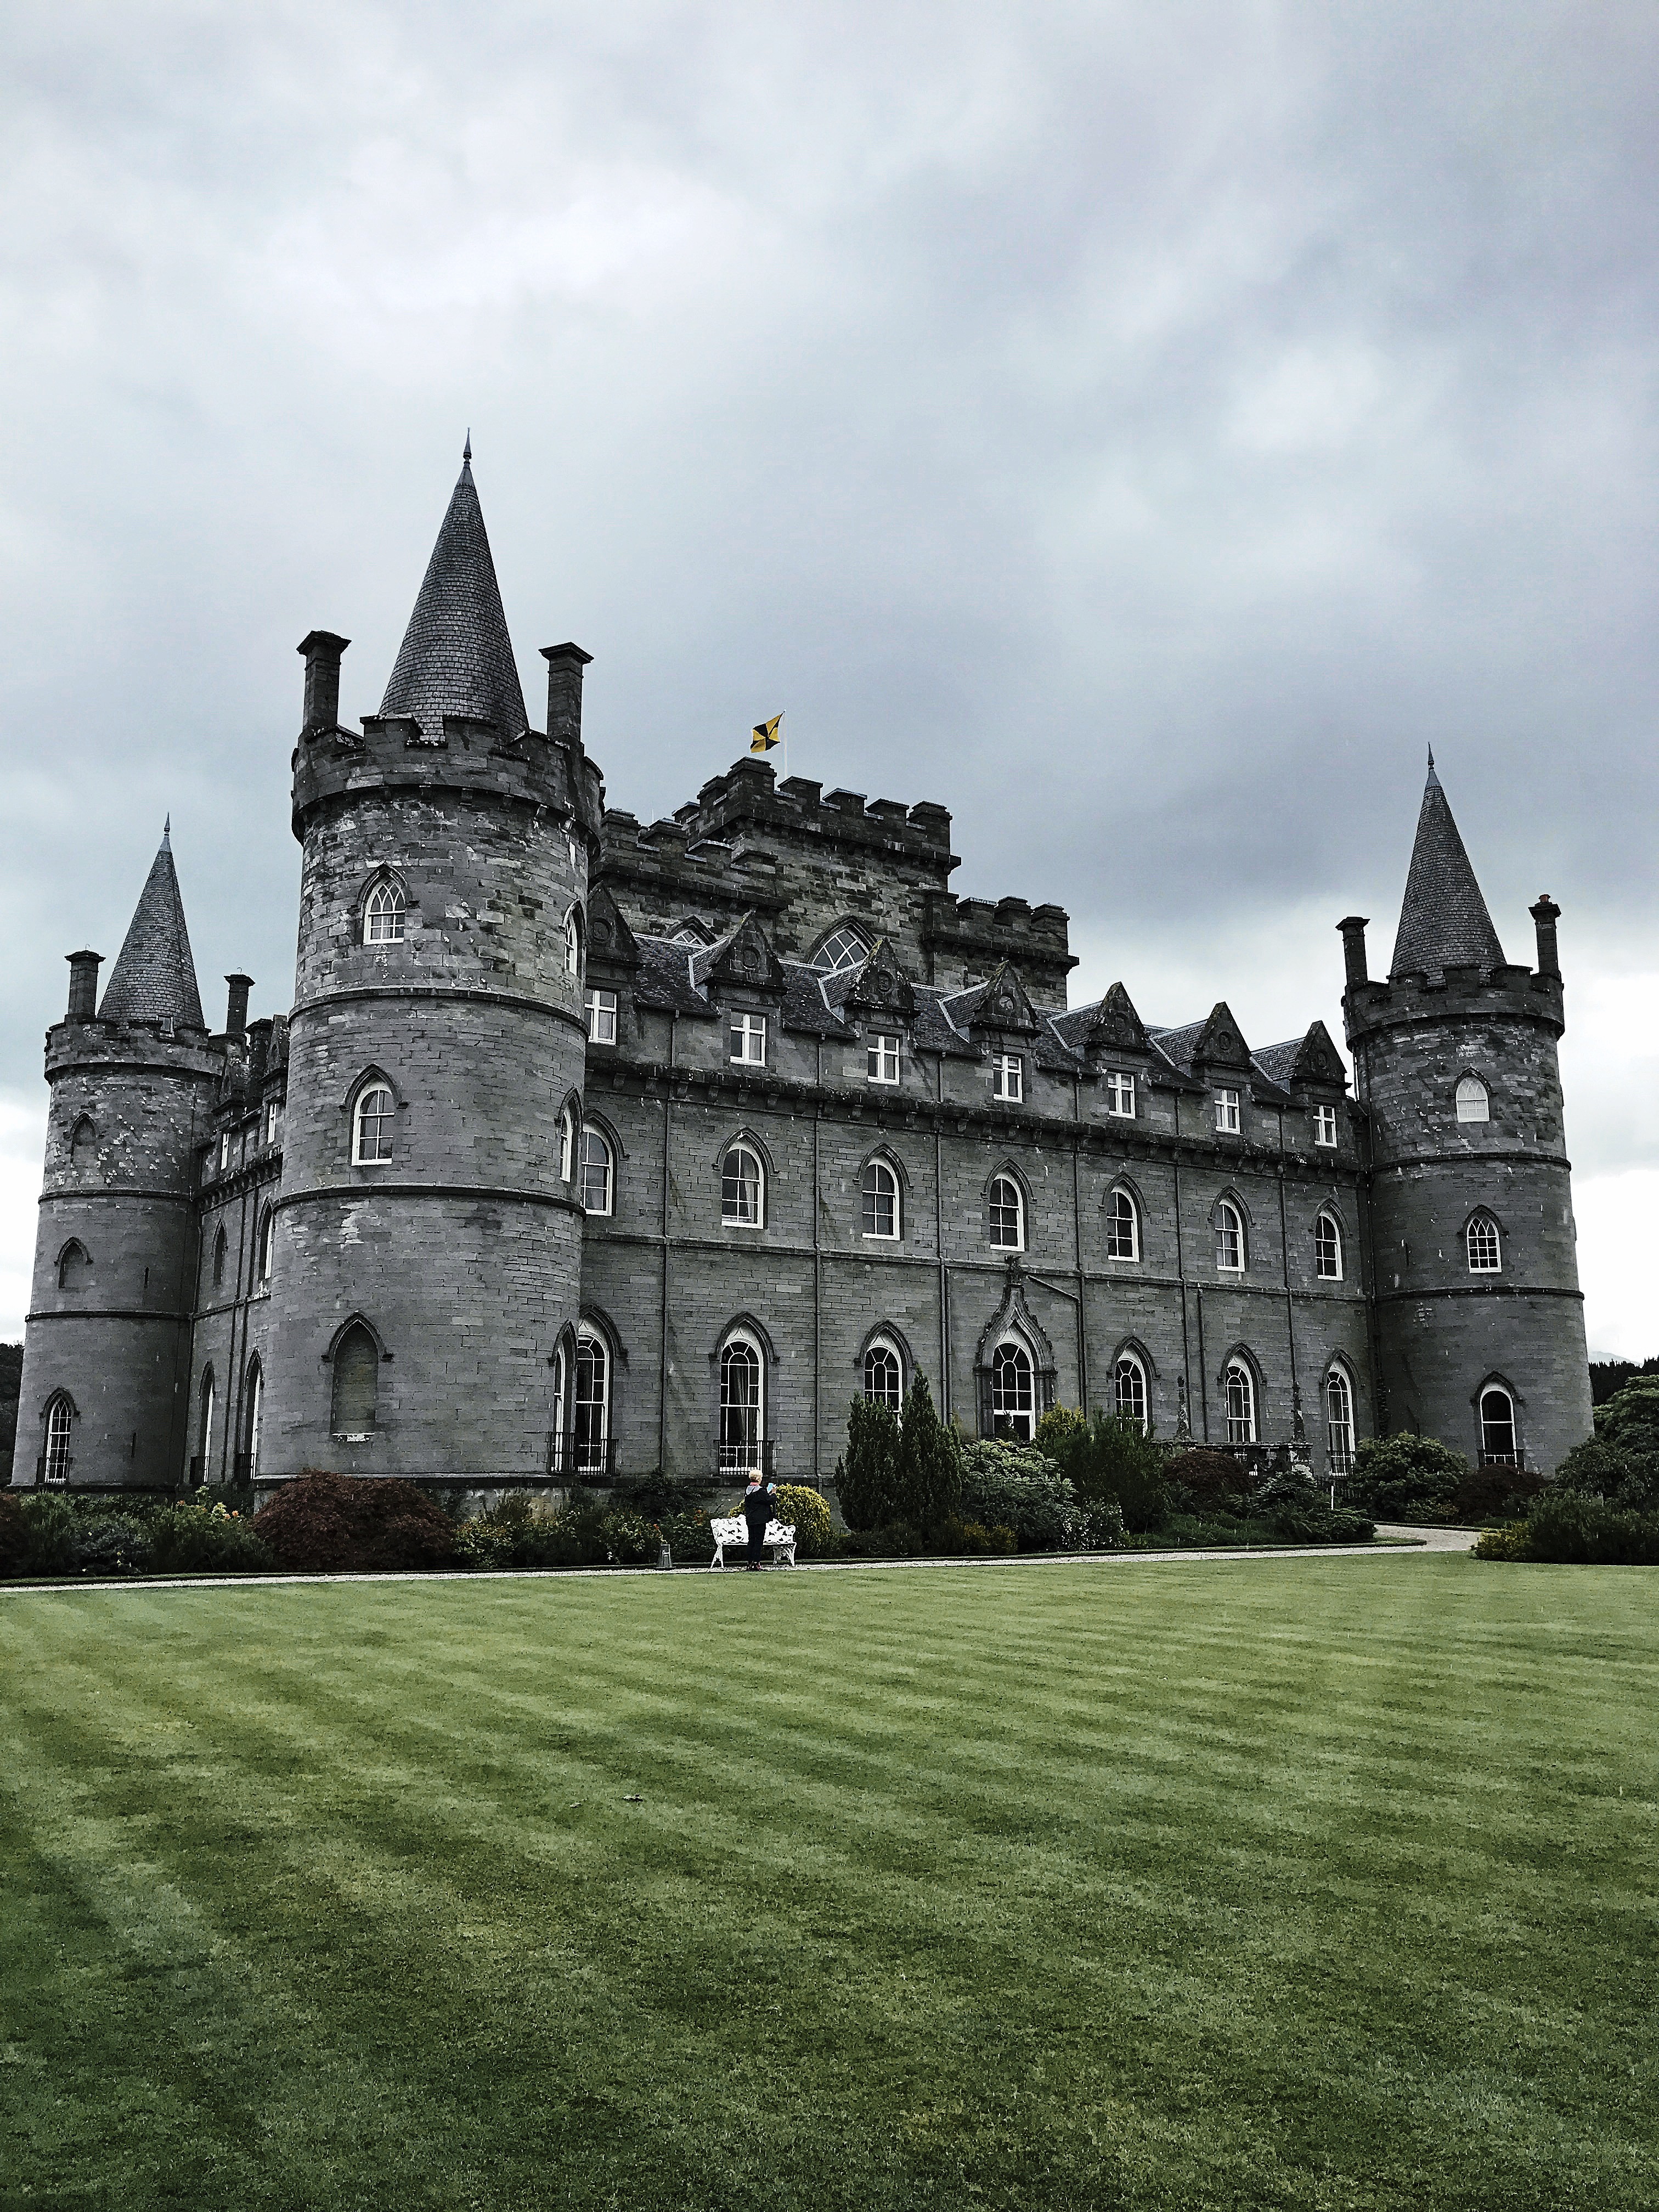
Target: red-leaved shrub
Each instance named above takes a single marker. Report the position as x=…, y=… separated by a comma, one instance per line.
x=346, y=1521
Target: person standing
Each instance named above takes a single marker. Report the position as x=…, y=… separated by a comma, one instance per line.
x=759, y=1503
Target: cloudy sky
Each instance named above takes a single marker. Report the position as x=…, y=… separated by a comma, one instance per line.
x=1143, y=428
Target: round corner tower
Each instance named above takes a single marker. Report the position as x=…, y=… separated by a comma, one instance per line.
x=428, y=1258
x=133, y=1083
x=1480, y=1319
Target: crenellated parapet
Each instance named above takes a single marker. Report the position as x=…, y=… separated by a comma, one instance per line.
x=1458, y=994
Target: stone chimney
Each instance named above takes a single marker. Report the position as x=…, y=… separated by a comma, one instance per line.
x=236, y=1005
x=1545, y=915
x=322, y=651
x=83, y=985
x=565, y=664
x=1353, y=949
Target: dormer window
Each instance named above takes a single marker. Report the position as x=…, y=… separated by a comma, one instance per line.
x=1226, y=1113
x=882, y=1059
x=601, y=1017
x=843, y=948
x=746, y=1040
x=1120, y=1095
x=1324, y=1125
x=383, y=915
x=1008, y=1078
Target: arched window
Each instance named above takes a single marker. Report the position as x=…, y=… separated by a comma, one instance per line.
x=1007, y=1208
x=1122, y=1227
x=1327, y=1248
x=1229, y=1238
x=1498, y=1427
x=843, y=948
x=356, y=1384
x=1014, y=1395
x=1129, y=1390
x=83, y=1143
x=592, y=1437
x=72, y=1265
x=372, y=1120
x=219, y=1243
x=1486, y=1253
x=883, y=1375
x=267, y=1245
x=879, y=1199
x=743, y=1406
x=1240, y=1387
x=742, y=1186
x=60, y=1428
x=555, y=1444
x=1338, y=1420
x=204, y=1423
x=383, y=915
x=1473, y=1104
x=256, y=1404
x=597, y=1179
x=572, y=942
x=567, y=1145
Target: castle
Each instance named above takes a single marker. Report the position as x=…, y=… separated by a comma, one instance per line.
x=591, y=1150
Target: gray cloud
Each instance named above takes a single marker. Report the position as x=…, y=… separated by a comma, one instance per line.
x=1143, y=429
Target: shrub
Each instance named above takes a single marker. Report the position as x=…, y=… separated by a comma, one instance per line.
x=110, y=1544
x=815, y=1532
x=1565, y=1528
x=1630, y=1419
x=1509, y=1542
x=1102, y=1527
x=1489, y=1493
x=630, y=1541
x=1596, y=1468
x=203, y=1534
x=14, y=1535
x=1108, y=1458
x=929, y=1473
x=688, y=1538
x=1406, y=1478
x=1207, y=1479
x=345, y=1522
x=54, y=1529
x=866, y=1476
x=1021, y=1490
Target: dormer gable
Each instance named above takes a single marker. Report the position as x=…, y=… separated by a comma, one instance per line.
x=1003, y=1005
x=1114, y=1026
x=1221, y=1042
x=612, y=943
x=1318, y=1063
x=743, y=960
x=881, y=985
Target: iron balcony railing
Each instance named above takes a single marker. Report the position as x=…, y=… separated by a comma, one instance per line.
x=758, y=1456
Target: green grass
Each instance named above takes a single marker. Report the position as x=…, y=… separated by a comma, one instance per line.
x=1305, y=1883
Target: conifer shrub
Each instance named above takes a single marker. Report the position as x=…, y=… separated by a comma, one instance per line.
x=928, y=1477
x=866, y=1474
x=1108, y=1458
x=341, y=1522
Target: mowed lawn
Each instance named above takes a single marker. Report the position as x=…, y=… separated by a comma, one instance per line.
x=1322, y=1883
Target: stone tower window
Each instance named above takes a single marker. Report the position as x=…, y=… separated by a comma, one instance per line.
x=746, y=1040
x=1129, y=1390
x=73, y=1264
x=267, y=1245
x=256, y=1404
x=383, y=915
x=879, y=1211
x=1014, y=1395
x=883, y=1375
x=219, y=1247
x=1007, y=1208
x=567, y=1145
x=743, y=1406
x=1486, y=1251
x=593, y=1438
x=356, y=1384
x=1338, y=1420
x=1473, y=1104
x=601, y=1017
x=1122, y=1227
x=83, y=1143
x=572, y=942
x=743, y=1184
x=372, y=1122
x=1327, y=1248
x=1498, y=1427
x=60, y=1428
x=1239, y=1388
x=597, y=1183
x=1229, y=1238
x=204, y=1425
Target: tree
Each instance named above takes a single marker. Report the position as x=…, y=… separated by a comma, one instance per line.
x=1406, y=1478
x=1106, y=1458
x=929, y=1461
x=866, y=1476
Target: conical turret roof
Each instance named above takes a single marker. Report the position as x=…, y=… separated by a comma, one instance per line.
x=153, y=978
x=455, y=657
x=1443, y=921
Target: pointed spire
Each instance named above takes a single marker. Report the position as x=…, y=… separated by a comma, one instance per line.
x=455, y=657
x=1443, y=919
x=153, y=978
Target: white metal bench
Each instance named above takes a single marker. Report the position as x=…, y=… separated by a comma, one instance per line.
x=780, y=1535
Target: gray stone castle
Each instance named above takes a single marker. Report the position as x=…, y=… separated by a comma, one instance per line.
x=591, y=1149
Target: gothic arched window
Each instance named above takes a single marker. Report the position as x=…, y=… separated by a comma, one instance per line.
x=883, y=1375
x=1239, y=1388
x=356, y=1384
x=372, y=1119
x=1122, y=1227
x=843, y=948
x=383, y=914
x=879, y=1200
x=1007, y=1213
x=1473, y=1102
x=592, y=1438
x=1013, y=1394
x=1229, y=1238
x=1327, y=1248
x=1498, y=1427
x=73, y=1263
x=1129, y=1390
x=1338, y=1420
x=743, y=1406
x=219, y=1247
x=572, y=942
x=743, y=1185
x=598, y=1181
x=1484, y=1250
x=268, y=1244
x=256, y=1406
x=60, y=1429
x=204, y=1421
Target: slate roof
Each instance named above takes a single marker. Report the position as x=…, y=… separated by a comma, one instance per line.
x=1278, y=1061
x=455, y=657
x=153, y=978
x=1443, y=919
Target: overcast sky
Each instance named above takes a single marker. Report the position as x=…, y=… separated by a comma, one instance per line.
x=1142, y=429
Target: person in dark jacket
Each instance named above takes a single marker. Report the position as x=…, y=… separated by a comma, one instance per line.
x=759, y=1505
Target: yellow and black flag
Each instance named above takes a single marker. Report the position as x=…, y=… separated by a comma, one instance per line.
x=765, y=735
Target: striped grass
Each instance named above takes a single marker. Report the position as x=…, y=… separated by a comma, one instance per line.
x=1295, y=1883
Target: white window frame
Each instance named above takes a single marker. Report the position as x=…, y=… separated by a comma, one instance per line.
x=842, y=949
x=1483, y=1229
x=1226, y=1212
x=870, y=1201
x=207, y=1395
x=1339, y=1419
x=572, y=942
x=384, y=1118
x=591, y=1426
x=881, y=1057
x=1008, y=1078
x=994, y=1205
x=273, y=1118
x=733, y=1184
x=1129, y=1368
x=59, y=1438
x=745, y=1040
x=224, y=1150
x=268, y=1244
x=1473, y=1099
x=256, y=1409
x=567, y=1145
x=1325, y=1126
x=742, y=1453
x=1238, y=1388
x=889, y=1394
x=1226, y=1113
x=560, y=1453
x=1121, y=1207
x=1488, y=1457
x=1016, y=1403
x=1328, y=1246
x=601, y=1016
x=1120, y=1095
x=384, y=912
x=591, y=1135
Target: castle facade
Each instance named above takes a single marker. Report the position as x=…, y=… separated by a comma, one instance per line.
x=590, y=1149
